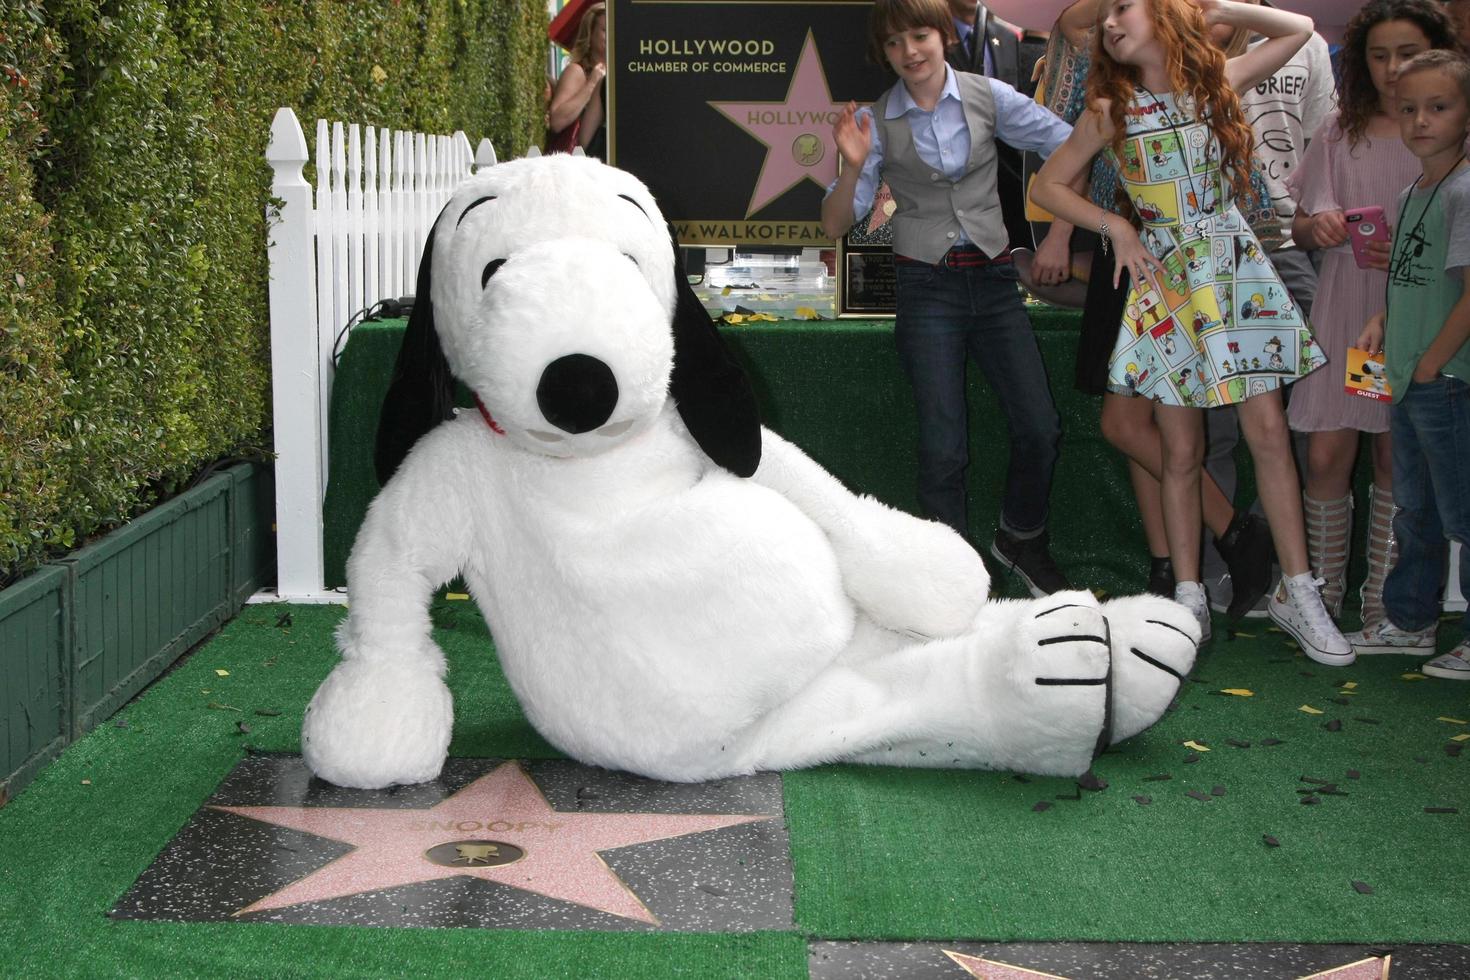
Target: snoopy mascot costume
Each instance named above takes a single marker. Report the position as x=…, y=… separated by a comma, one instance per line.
x=674, y=590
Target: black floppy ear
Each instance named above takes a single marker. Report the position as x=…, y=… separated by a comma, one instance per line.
x=421, y=394
x=710, y=388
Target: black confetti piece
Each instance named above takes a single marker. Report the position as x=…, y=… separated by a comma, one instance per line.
x=1071, y=797
x=120, y=723
x=1217, y=790
x=1306, y=673
x=1362, y=888
x=1019, y=778
x=283, y=622
x=1316, y=779
x=1238, y=743
x=1157, y=777
x=1421, y=758
x=1334, y=791
x=1310, y=801
x=1342, y=700
x=268, y=712
x=1192, y=757
x=1306, y=792
x=1335, y=725
x=1092, y=781
x=1041, y=807
x=1368, y=721
x=1198, y=795
x=1353, y=774
x=1271, y=741
x=1270, y=841
x=1143, y=800
x=1453, y=749
x=1434, y=809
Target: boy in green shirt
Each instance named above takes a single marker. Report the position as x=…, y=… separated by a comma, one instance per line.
x=1427, y=355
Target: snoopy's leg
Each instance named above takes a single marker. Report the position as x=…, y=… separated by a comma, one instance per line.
x=1027, y=689
x=909, y=575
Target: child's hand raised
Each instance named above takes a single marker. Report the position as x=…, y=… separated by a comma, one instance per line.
x=854, y=136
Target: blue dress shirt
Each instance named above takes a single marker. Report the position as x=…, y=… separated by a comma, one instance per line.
x=942, y=137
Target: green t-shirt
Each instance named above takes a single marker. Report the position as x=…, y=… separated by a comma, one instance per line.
x=1431, y=248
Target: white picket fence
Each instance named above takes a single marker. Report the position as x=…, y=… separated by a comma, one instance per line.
x=335, y=250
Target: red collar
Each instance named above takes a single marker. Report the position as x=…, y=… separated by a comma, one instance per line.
x=489, y=419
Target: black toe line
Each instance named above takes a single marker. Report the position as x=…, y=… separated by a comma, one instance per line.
x=1159, y=664
x=1170, y=626
x=1067, y=639
x=1069, y=605
x=1070, y=681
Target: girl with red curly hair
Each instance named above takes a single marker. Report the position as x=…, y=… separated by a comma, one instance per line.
x=1207, y=320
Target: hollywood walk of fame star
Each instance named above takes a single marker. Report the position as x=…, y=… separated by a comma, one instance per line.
x=797, y=132
x=1373, y=968
x=560, y=859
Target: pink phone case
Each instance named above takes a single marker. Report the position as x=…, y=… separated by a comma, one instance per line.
x=1365, y=225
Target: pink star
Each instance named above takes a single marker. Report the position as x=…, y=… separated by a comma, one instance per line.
x=797, y=132
x=883, y=208
x=993, y=970
x=560, y=849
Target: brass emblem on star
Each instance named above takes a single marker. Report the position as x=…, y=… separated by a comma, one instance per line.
x=808, y=149
x=474, y=853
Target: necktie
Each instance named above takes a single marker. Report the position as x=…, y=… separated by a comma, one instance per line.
x=969, y=46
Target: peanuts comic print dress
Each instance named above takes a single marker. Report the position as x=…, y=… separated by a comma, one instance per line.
x=1224, y=328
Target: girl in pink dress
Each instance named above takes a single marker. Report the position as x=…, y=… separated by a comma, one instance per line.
x=1356, y=160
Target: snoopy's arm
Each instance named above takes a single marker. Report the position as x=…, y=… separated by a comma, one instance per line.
x=907, y=574
x=384, y=714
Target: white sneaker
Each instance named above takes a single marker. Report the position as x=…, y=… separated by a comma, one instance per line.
x=1453, y=666
x=1191, y=595
x=1296, y=606
x=1384, y=637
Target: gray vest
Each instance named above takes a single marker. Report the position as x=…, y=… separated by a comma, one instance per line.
x=932, y=209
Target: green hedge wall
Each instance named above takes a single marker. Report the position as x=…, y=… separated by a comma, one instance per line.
x=133, y=200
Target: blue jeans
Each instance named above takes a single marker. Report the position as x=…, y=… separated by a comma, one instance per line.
x=1431, y=486
x=944, y=314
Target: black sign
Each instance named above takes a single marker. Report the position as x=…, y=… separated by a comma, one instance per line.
x=725, y=110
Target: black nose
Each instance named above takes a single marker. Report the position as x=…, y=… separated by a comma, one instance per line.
x=577, y=393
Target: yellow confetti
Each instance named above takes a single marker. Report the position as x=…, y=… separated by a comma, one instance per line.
x=1239, y=692
x=1196, y=746
x=86, y=782
x=1349, y=692
x=725, y=291
x=1248, y=636
x=222, y=672
x=455, y=596
x=807, y=313
x=1460, y=738
x=735, y=318
x=1413, y=677
x=1452, y=721
x=1309, y=709
x=1349, y=685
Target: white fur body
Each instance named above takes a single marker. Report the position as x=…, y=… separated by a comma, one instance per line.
x=655, y=613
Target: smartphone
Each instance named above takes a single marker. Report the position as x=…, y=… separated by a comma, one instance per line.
x=1366, y=225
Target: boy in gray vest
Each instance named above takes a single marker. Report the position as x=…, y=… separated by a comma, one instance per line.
x=932, y=138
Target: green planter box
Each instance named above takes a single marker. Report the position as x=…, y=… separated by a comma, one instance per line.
x=81, y=636
x=145, y=594
x=35, y=716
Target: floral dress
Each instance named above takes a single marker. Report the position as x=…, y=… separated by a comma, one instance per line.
x=1224, y=328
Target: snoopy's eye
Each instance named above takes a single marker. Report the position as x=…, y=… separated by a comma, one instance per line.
x=491, y=268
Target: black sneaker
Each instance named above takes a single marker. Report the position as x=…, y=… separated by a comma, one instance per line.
x=1030, y=558
x=1161, y=576
x=1248, y=553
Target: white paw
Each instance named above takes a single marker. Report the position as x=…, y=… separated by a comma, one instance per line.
x=1154, y=644
x=1059, y=682
x=374, y=724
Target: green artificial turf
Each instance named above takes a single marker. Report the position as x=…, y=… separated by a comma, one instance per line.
x=879, y=853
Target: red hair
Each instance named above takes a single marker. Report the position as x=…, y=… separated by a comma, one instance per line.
x=1196, y=70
